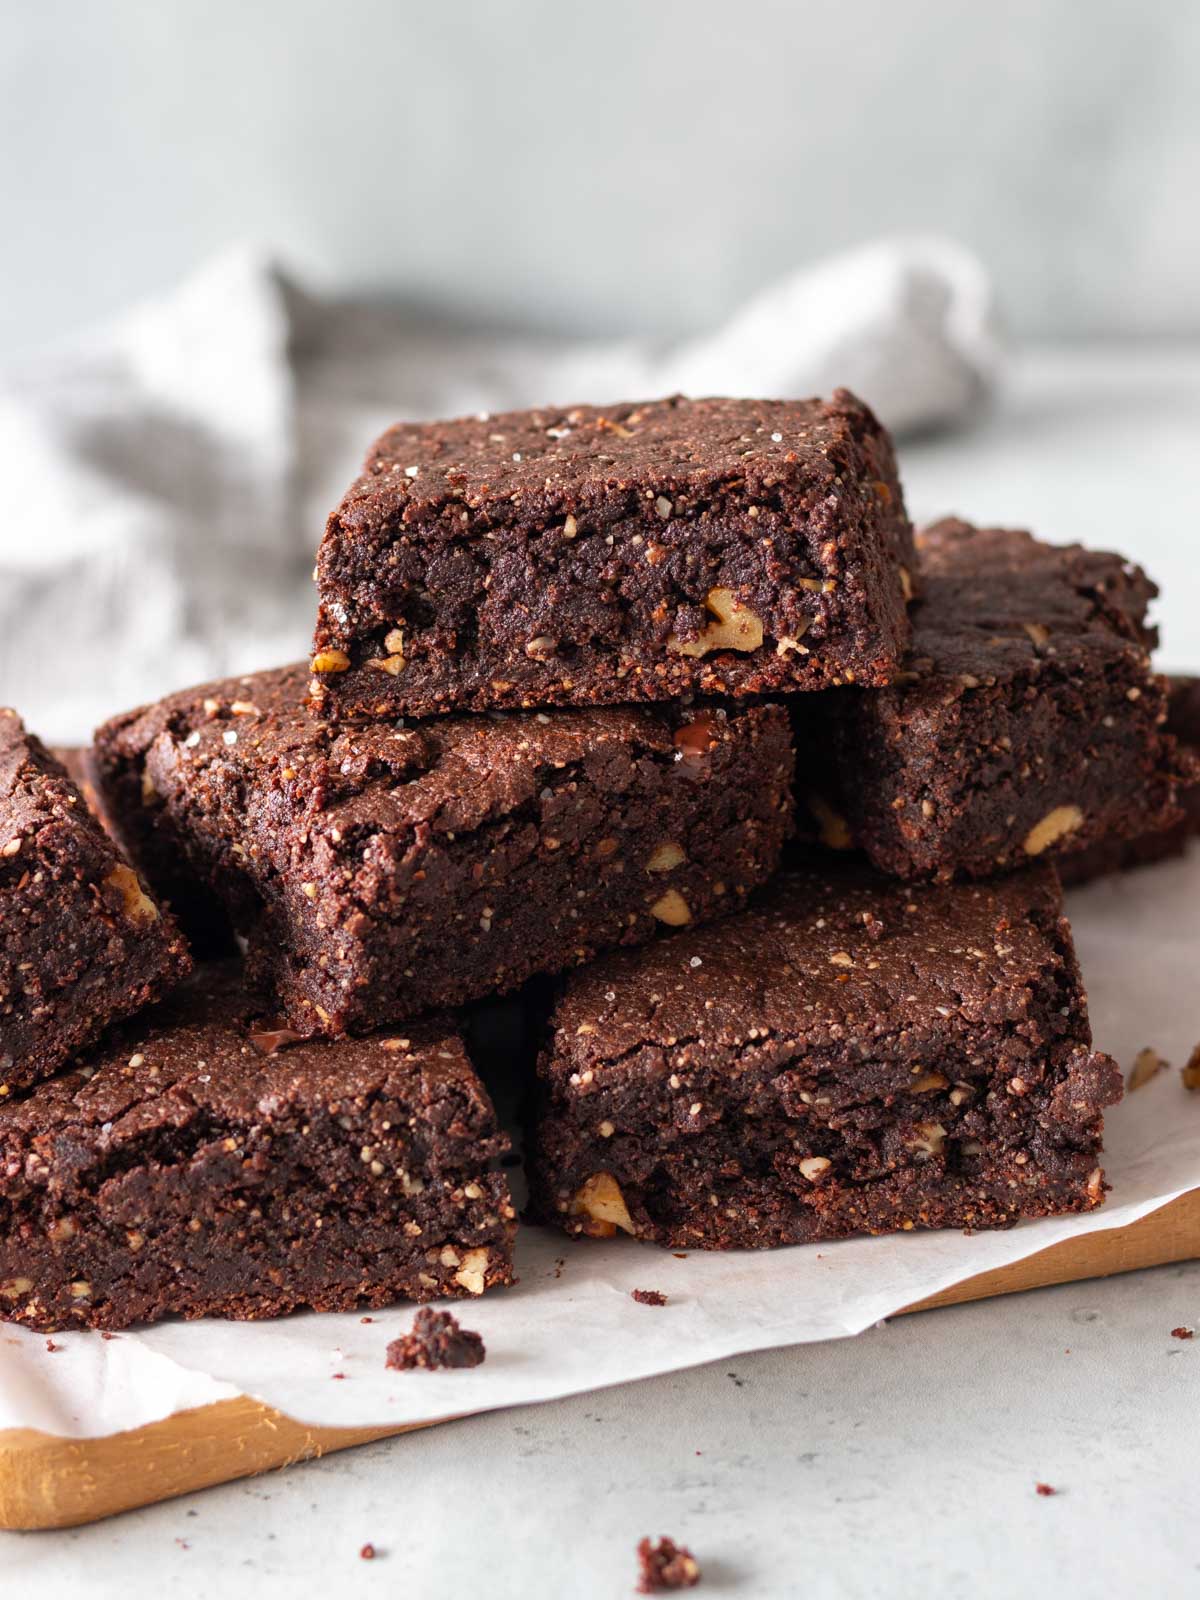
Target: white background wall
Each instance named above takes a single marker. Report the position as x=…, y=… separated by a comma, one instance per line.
x=633, y=164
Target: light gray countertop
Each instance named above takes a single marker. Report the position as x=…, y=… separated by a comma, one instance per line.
x=902, y=1462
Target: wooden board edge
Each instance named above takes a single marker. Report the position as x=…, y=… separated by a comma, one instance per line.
x=51, y=1482
x=1171, y=1233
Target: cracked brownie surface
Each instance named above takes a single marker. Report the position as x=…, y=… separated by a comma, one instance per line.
x=203, y=1163
x=378, y=871
x=848, y=1055
x=601, y=555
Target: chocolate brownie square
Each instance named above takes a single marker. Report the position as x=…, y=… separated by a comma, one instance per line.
x=1028, y=722
x=81, y=941
x=378, y=871
x=849, y=1055
x=200, y=1164
x=614, y=554
x=1144, y=849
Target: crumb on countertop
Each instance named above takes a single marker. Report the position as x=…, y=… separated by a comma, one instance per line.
x=665, y=1565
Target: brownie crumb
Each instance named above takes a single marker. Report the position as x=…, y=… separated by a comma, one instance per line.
x=649, y=1297
x=367, y=1552
x=1183, y=1333
x=1046, y=1488
x=665, y=1565
x=436, y=1340
x=1191, y=1073
x=52, y=1347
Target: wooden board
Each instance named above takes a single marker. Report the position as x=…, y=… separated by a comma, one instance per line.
x=51, y=1482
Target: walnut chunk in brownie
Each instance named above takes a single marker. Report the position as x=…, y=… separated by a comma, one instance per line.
x=435, y=1341
x=614, y=554
x=664, y=1565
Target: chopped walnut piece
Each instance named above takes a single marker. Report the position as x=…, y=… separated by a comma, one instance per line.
x=665, y=1565
x=472, y=1274
x=735, y=627
x=1147, y=1064
x=672, y=909
x=832, y=828
x=666, y=856
x=331, y=661
x=137, y=904
x=1055, y=825
x=600, y=1201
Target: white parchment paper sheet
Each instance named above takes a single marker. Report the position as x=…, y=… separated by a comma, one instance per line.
x=570, y=1325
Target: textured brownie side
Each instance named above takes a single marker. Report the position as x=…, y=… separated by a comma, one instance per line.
x=1144, y=849
x=612, y=555
x=377, y=871
x=194, y=1167
x=1029, y=720
x=849, y=1055
x=81, y=942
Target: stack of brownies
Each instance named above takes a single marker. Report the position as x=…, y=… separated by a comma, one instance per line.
x=662, y=697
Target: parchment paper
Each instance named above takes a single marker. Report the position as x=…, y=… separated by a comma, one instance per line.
x=570, y=1325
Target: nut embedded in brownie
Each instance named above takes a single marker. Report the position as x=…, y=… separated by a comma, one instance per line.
x=378, y=871
x=180, y=1171
x=614, y=554
x=81, y=941
x=849, y=1055
x=1028, y=721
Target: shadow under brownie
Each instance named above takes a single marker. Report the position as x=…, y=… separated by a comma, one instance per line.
x=1028, y=721
x=379, y=871
x=850, y=1055
x=614, y=554
x=81, y=942
x=194, y=1167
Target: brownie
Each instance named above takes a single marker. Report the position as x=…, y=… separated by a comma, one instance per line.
x=850, y=1055
x=378, y=871
x=1028, y=722
x=81, y=941
x=1144, y=849
x=194, y=1167
x=609, y=555
x=435, y=1341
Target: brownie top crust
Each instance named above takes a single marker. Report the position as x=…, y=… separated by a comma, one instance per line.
x=553, y=457
x=255, y=739
x=201, y=1060
x=837, y=953
x=995, y=599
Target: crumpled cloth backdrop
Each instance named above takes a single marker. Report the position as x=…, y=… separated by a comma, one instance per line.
x=167, y=477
